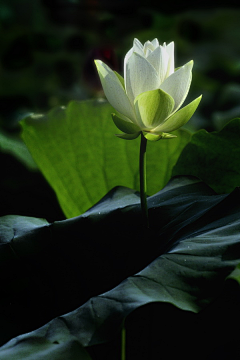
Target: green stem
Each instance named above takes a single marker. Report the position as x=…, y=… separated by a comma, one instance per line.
x=123, y=345
x=143, y=180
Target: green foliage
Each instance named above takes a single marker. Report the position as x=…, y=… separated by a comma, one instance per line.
x=76, y=150
x=183, y=260
x=235, y=275
x=13, y=145
x=213, y=157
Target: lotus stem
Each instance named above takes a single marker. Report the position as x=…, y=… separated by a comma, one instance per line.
x=123, y=343
x=143, y=180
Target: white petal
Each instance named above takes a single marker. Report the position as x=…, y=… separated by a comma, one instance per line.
x=127, y=56
x=155, y=43
x=170, y=51
x=147, y=51
x=137, y=46
x=114, y=91
x=177, y=85
x=159, y=59
x=154, y=58
x=140, y=76
x=148, y=48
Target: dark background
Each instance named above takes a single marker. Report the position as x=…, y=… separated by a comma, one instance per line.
x=46, y=60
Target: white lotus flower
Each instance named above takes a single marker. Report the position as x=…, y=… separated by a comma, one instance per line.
x=151, y=93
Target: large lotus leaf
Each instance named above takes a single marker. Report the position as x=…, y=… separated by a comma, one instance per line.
x=213, y=157
x=106, y=259
x=42, y=349
x=78, y=153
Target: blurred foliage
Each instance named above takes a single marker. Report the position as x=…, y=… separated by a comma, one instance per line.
x=48, y=47
x=46, y=60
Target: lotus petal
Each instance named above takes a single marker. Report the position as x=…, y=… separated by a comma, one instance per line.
x=171, y=65
x=159, y=59
x=152, y=108
x=141, y=76
x=128, y=136
x=125, y=126
x=177, y=85
x=180, y=118
x=114, y=90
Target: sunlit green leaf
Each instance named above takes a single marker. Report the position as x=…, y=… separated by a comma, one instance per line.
x=77, y=151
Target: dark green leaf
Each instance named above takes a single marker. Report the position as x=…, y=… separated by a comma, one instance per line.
x=192, y=247
x=213, y=157
x=37, y=348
